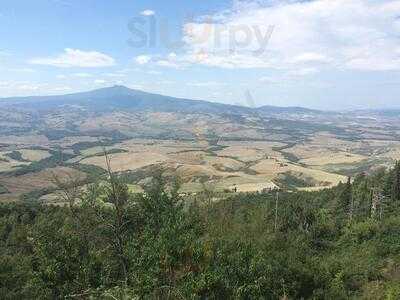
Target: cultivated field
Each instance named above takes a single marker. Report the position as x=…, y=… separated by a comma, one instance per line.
x=219, y=152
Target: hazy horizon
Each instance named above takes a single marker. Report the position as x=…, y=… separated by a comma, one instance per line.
x=243, y=104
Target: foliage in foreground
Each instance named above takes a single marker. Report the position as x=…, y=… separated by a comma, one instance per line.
x=342, y=243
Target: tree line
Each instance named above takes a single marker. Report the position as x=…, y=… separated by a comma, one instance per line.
x=108, y=243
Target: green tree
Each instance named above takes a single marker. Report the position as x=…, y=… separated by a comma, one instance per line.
x=395, y=191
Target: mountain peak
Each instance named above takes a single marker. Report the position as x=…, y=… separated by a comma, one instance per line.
x=114, y=90
x=119, y=88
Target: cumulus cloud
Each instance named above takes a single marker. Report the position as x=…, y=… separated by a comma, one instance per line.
x=76, y=58
x=148, y=12
x=142, y=59
x=288, y=35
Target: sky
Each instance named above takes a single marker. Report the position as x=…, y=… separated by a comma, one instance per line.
x=325, y=54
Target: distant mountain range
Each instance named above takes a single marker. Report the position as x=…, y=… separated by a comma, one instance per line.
x=123, y=98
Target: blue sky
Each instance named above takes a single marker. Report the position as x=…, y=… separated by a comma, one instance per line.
x=330, y=54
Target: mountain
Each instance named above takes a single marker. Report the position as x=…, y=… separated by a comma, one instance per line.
x=123, y=98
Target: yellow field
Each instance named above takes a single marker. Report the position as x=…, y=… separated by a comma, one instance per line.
x=224, y=163
x=126, y=161
x=92, y=151
x=190, y=157
x=226, y=168
x=18, y=185
x=328, y=158
x=34, y=155
x=198, y=171
x=27, y=154
x=243, y=153
x=272, y=168
x=245, y=165
x=392, y=153
x=9, y=164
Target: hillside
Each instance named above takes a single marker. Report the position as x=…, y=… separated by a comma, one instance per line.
x=112, y=242
x=120, y=97
x=225, y=147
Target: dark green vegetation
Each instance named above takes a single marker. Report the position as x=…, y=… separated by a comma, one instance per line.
x=341, y=243
x=94, y=173
x=57, y=158
x=114, y=138
x=3, y=189
x=290, y=181
x=111, y=151
x=16, y=155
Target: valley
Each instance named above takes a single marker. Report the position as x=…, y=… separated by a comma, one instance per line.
x=221, y=148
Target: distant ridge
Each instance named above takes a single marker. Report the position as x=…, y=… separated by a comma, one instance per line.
x=120, y=97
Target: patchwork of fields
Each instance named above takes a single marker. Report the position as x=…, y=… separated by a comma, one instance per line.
x=321, y=161
x=210, y=147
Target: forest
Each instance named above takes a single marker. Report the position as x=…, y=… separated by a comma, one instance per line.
x=109, y=243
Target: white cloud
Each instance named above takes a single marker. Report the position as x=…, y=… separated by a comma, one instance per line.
x=4, y=84
x=268, y=79
x=142, y=59
x=148, y=12
x=62, y=89
x=152, y=72
x=74, y=75
x=310, y=57
x=82, y=75
x=22, y=70
x=172, y=55
x=168, y=63
x=116, y=74
x=76, y=58
x=303, y=72
x=27, y=88
x=100, y=81
x=204, y=84
x=335, y=34
x=19, y=86
x=167, y=82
